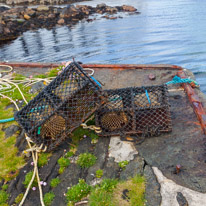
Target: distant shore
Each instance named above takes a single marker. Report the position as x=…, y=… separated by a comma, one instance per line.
x=15, y=21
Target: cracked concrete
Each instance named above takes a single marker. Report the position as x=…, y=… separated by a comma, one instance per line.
x=169, y=190
x=121, y=150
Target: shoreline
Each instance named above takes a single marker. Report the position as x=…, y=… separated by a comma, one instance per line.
x=15, y=21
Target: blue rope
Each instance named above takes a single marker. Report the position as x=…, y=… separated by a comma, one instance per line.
x=7, y=120
x=147, y=96
x=177, y=80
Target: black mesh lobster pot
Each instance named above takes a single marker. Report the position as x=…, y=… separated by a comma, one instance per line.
x=135, y=111
x=60, y=107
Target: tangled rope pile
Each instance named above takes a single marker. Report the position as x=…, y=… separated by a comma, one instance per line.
x=8, y=84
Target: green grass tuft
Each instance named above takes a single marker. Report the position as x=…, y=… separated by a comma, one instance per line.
x=63, y=163
x=99, y=173
x=19, y=198
x=123, y=164
x=48, y=198
x=77, y=192
x=28, y=179
x=86, y=160
x=43, y=159
x=4, y=196
x=54, y=182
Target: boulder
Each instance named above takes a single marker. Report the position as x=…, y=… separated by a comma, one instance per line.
x=69, y=12
x=60, y=21
x=100, y=6
x=128, y=8
x=27, y=17
x=42, y=8
x=111, y=9
x=4, y=8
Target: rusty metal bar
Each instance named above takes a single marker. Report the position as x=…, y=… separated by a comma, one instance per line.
x=195, y=101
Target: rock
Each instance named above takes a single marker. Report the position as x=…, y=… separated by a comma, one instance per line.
x=27, y=17
x=1, y=28
x=68, y=12
x=121, y=150
x=37, y=87
x=152, y=192
x=111, y=10
x=20, y=20
x=133, y=168
x=61, y=21
x=11, y=130
x=42, y=8
x=51, y=16
x=31, y=12
x=100, y=6
x=181, y=199
x=7, y=31
x=4, y=8
x=152, y=76
x=128, y=8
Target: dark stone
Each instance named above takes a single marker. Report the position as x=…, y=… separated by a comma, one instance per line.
x=134, y=167
x=152, y=192
x=70, y=177
x=37, y=87
x=181, y=199
x=11, y=130
x=84, y=146
x=111, y=169
x=100, y=152
x=4, y=8
x=100, y=6
x=125, y=194
x=152, y=76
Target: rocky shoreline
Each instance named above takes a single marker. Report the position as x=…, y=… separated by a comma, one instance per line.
x=15, y=21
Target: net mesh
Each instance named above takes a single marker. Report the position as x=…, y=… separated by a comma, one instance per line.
x=60, y=107
x=141, y=110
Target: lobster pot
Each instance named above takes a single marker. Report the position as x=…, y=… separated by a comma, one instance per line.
x=137, y=110
x=60, y=107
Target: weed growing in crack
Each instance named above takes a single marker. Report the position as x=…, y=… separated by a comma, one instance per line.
x=99, y=173
x=123, y=164
x=63, y=163
x=48, y=198
x=77, y=192
x=86, y=160
x=54, y=182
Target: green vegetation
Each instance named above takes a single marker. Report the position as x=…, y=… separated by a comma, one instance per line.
x=48, y=198
x=43, y=159
x=63, y=163
x=79, y=133
x=19, y=198
x=110, y=193
x=77, y=192
x=28, y=178
x=123, y=164
x=3, y=197
x=9, y=161
x=135, y=188
x=54, y=182
x=5, y=187
x=86, y=160
x=99, y=173
x=102, y=195
x=69, y=154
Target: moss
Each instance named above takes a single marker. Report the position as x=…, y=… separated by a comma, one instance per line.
x=77, y=192
x=99, y=173
x=48, y=198
x=19, y=198
x=63, y=163
x=43, y=159
x=10, y=163
x=123, y=164
x=79, y=133
x=5, y=187
x=28, y=178
x=3, y=197
x=134, y=189
x=86, y=160
x=54, y=182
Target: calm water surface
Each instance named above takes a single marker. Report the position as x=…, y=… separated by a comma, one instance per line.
x=166, y=32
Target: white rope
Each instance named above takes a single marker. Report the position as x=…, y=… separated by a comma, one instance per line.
x=34, y=150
